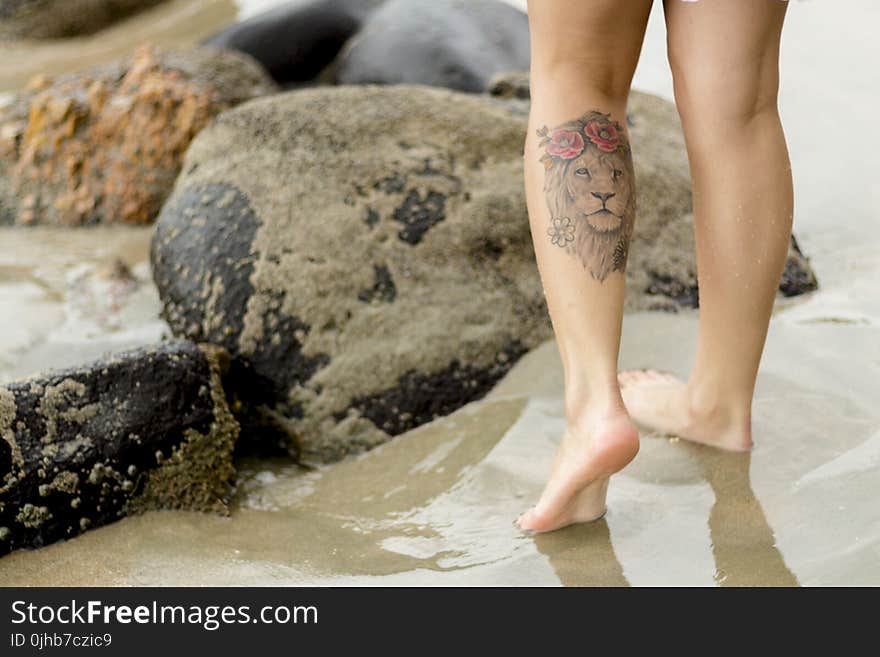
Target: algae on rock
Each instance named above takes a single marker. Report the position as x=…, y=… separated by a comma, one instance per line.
x=144, y=429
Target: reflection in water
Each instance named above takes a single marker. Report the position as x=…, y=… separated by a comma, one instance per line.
x=742, y=541
x=582, y=555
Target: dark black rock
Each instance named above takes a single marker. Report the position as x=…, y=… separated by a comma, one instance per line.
x=798, y=277
x=445, y=43
x=197, y=266
x=190, y=269
x=419, y=398
x=80, y=448
x=296, y=41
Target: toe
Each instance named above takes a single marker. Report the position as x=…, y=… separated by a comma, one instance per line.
x=630, y=377
x=661, y=376
x=536, y=522
x=526, y=521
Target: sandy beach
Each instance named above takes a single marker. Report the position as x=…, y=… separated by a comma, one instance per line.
x=436, y=505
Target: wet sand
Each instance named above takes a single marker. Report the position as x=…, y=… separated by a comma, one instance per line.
x=436, y=506
x=62, y=303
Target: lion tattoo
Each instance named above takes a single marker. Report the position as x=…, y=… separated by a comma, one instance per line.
x=589, y=184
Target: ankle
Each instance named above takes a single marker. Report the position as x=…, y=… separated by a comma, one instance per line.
x=707, y=407
x=599, y=402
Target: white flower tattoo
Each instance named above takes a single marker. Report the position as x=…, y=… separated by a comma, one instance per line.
x=561, y=231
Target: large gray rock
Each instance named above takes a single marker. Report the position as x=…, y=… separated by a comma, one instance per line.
x=51, y=19
x=445, y=43
x=144, y=429
x=296, y=41
x=363, y=251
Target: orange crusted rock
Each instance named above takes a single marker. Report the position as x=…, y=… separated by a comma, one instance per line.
x=106, y=145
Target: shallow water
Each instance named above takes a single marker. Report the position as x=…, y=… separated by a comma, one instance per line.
x=436, y=506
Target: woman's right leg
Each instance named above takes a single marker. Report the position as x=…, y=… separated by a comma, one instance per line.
x=581, y=201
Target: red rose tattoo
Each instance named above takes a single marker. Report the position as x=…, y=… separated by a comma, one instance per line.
x=603, y=135
x=566, y=144
x=589, y=186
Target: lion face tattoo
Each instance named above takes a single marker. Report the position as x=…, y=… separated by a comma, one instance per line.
x=589, y=185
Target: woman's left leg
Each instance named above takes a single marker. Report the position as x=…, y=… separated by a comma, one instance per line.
x=724, y=56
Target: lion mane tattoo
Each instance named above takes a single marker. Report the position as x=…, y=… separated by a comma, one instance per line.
x=589, y=185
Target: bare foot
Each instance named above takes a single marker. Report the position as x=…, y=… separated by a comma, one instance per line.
x=663, y=403
x=594, y=447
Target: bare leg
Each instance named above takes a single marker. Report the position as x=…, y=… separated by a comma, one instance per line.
x=581, y=200
x=724, y=58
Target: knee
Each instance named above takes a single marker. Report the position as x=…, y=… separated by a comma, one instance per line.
x=726, y=93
